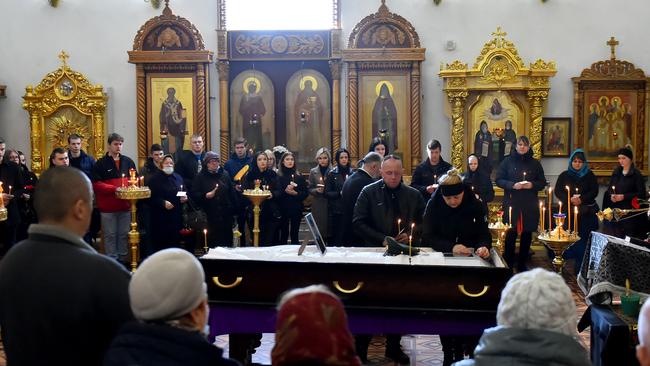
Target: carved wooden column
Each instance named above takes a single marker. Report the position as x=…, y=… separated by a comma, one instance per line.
x=457, y=100
x=416, y=139
x=335, y=68
x=536, y=100
x=141, y=100
x=353, y=110
x=223, y=68
x=98, y=108
x=202, y=107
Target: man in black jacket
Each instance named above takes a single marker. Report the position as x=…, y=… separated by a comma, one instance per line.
x=12, y=186
x=189, y=162
x=379, y=208
x=78, y=158
x=60, y=301
x=350, y=192
x=426, y=174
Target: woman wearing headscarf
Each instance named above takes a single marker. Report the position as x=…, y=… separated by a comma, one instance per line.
x=625, y=184
x=479, y=181
x=317, y=176
x=271, y=215
x=312, y=329
x=455, y=222
x=294, y=190
x=583, y=189
x=333, y=190
x=166, y=210
x=521, y=176
x=214, y=192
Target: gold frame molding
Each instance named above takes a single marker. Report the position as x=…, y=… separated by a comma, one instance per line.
x=64, y=87
x=170, y=56
x=370, y=53
x=498, y=67
x=609, y=75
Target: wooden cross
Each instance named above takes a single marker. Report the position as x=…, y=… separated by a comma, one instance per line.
x=64, y=58
x=613, y=43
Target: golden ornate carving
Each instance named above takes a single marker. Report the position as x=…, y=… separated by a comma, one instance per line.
x=536, y=99
x=153, y=25
x=542, y=65
x=64, y=102
x=353, y=113
x=383, y=29
x=268, y=44
x=498, y=72
x=415, y=115
x=498, y=43
x=457, y=65
x=457, y=101
x=456, y=83
x=539, y=81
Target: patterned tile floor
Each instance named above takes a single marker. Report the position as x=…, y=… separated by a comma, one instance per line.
x=423, y=349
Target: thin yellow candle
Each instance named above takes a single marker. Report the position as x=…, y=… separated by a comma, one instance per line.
x=613, y=189
x=543, y=214
x=205, y=240
x=510, y=216
x=550, y=204
x=2, y=201
x=410, y=242
x=568, y=207
x=399, y=228
x=575, y=219
x=559, y=209
x=10, y=190
x=412, y=226
x=123, y=179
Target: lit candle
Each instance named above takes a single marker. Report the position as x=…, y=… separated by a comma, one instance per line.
x=510, y=216
x=543, y=214
x=559, y=209
x=410, y=242
x=321, y=180
x=205, y=240
x=575, y=219
x=181, y=188
x=435, y=179
x=141, y=181
x=550, y=204
x=568, y=207
x=216, y=187
x=399, y=229
x=10, y=190
x=613, y=189
x=412, y=226
x=524, y=176
x=123, y=175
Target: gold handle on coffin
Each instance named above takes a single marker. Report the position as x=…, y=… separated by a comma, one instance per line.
x=345, y=291
x=234, y=284
x=461, y=287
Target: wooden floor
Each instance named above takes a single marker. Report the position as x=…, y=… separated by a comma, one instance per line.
x=423, y=349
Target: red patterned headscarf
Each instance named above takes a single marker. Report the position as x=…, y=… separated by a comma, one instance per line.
x=313, y=327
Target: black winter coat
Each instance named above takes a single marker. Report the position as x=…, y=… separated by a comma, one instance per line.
x=157, y=344
x=334, y=188
x=444, y=227
x=375, y=214
x=224, y=202
x=480, y=183
x=187, y=166
x=426, y=174
x=11, y=175
x=290, y=205
x=587, y=189
x=523, y=201
x=349, y=195
x=165, y=224
x=630, y=185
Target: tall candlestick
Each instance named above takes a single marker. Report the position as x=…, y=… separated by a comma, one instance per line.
x=205, y=240
x=559, y=209
x=544, y=214
x=575, y=220
x=412, y=226
x=550, y=204
x=510, y=216
x=568, y=208
x=541, y=216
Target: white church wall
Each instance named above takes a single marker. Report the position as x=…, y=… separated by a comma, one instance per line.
x=97, y=35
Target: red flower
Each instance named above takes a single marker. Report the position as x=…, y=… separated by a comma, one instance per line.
x=29, y=187
x=500, y=213
x=186, y=231
x=635, y=203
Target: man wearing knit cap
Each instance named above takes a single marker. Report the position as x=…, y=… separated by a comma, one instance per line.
x=536, y=325
x=169, y=298
x=60, y=301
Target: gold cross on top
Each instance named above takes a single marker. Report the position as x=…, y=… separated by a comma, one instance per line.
x=64, y=58
x=499, y=33
x=613, y=43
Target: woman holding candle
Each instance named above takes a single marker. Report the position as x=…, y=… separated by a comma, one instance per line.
x=333, y=189
x=165, y=204
x=271, y=215
x=294, y=190
x=317, y=176
x=479, y=181
x=213, y=190
x=582, y=191
x=521, y=196
x=625, y=184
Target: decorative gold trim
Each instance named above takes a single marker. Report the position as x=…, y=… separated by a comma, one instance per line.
x=383, y=17
x=167, y=18
x=345, y=291
x=462, y=289
x=236, y=283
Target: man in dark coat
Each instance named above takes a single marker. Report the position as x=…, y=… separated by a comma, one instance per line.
x=12, y=186
x=188, y=162
x=60, y=301
x=376, y=213
x=521, y=176
x=78, y=158
x=239, y=159
x=426, y=174
x=350, y=192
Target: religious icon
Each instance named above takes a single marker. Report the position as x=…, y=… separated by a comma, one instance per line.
x=483, y=147
x=308, y=115
x=66, y=88
x=555, y=136
x=173, y=123
x=384, y=115
x=609, y=122
x=252, y=109
x=508, y=141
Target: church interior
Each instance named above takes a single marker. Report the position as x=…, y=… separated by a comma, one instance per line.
x=468, y=78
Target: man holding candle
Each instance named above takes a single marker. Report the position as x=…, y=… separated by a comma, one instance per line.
x=579, y=183
x=427, y=173
x=520, y=200
x=107, y=175
x=376, y=213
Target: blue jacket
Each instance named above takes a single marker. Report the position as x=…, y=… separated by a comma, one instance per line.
x=234, y=164
x=84, y=162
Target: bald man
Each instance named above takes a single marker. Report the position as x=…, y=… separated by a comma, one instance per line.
x=60, y=301
x=643, y=348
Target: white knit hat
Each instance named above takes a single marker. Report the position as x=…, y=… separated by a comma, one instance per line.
x=538, y=299
x=167, y=285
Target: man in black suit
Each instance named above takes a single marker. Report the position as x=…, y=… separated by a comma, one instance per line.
x=60, y=301
x=350, y=192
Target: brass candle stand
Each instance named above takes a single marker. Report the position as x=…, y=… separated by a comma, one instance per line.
x=499, y=229
x=256, y=195
x=133, y=193
x=558, y=240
